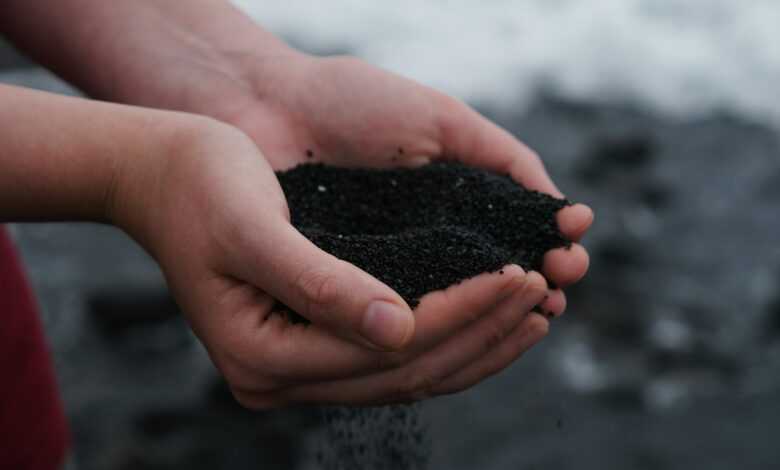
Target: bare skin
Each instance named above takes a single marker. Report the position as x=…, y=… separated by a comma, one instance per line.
x=204, y=201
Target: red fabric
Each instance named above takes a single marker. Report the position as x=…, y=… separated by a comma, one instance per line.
x=33, y=429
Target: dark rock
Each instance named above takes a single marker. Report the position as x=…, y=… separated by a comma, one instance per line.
x=610, y=154
x=618, y=253
x=115, y=311
x=769, y=188
x=196, y=436
x=699, y=357
x=139, y=323
x=627, y=396
x=621, y=327
x=773, y=320
x=655, y=196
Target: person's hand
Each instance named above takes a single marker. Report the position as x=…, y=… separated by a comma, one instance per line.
x=213, y=215
x=343, y=111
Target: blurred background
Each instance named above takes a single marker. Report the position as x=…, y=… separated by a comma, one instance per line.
x=662, y=115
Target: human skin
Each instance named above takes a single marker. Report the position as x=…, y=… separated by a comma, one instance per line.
x=211, y=213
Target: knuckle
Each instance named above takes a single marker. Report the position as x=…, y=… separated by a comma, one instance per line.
x=494, y=336
x=539, y=326
x=319, y=288
x=417, y=386
x=512, y=279
x=536, y=284
x=472, y=315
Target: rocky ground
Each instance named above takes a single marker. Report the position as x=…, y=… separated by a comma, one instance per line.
x=669, y=356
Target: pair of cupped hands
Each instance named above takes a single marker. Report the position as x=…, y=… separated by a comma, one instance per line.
x=215, y=218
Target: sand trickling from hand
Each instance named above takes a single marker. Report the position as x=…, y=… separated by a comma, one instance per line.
x=417, y=230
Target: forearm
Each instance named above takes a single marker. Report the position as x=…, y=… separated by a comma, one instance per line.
x=61, y=156
x=185, y=56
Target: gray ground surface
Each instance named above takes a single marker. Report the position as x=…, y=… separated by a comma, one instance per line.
x=669, y=357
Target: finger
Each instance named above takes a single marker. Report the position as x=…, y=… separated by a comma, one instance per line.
x=313, y=354
x=554, y=304
x=533, y=328
x=565, y=266
x=474, y=140
x=257, y=347
x=295, y=354
x=329, y=292
x=574, y=221
x=443, y=313
x=417, y=379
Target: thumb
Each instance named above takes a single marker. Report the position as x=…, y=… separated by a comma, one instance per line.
x=328, y=291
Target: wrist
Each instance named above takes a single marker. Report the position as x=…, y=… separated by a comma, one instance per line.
x=151, y=188
x=189, y=56
x=74, y=163
x=239, y=79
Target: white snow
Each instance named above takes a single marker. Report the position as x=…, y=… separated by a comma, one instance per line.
x=680, y=57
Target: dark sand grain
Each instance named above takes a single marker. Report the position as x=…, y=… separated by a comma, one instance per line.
x=421, y=230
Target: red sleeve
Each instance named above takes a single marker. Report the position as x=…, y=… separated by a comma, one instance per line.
x=33, y=429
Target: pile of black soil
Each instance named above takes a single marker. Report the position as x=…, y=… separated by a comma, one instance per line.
x=417, y=230
x=424, y=229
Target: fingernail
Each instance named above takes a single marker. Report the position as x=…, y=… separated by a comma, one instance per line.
x=387, y=325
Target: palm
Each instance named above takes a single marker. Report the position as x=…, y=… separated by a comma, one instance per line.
x=349, y=114
x=345, y=112
x=242, y=255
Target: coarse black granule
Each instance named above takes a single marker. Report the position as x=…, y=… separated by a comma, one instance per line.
x=423, y=229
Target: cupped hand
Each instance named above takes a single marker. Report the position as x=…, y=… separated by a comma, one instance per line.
x=345, y=112
x=211, y=212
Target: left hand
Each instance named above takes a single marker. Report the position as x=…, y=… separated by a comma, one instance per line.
x=206, y=57
x=345, y=112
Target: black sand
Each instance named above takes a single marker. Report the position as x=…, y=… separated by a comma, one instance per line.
x=420, y=230
x=417, y=230
x=717, y=221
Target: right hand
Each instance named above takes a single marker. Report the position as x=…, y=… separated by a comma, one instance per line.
x=211, y=212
